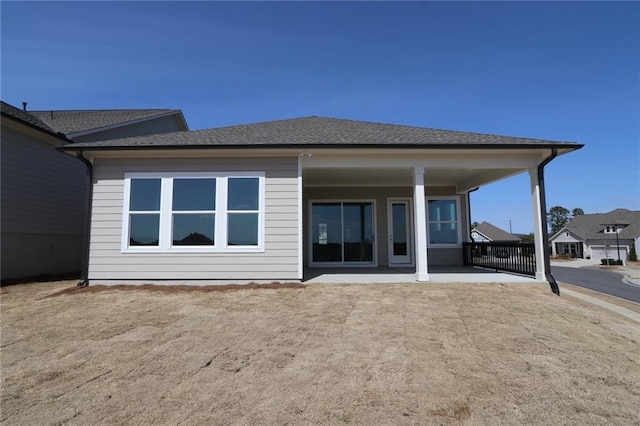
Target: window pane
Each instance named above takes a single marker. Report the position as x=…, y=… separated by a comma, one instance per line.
x=193, y=229
x=327, y=232
x=144, y=229
x=243, y=193
x=443, y=233
x=358, y=232
x=243, y=229
x=144, y=195
x=194, y=194
x=442, y=211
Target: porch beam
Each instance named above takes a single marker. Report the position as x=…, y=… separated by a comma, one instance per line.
x=420, y=215
x=435, y=161
x=538, y=234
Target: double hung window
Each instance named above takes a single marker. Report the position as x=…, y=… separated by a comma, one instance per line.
x=444, y=221
x=193, y=212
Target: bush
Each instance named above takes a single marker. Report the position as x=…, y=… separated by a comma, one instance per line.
x=633, y=256
x=611, y=262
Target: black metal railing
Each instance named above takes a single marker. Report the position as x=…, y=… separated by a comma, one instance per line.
x=509, y=257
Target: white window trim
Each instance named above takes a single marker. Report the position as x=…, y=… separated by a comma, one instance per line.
x=221, y=213
x=342, y=264
x=458, y=221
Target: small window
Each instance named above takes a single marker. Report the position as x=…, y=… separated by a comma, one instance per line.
x=243, y=211
x=193, y=212
x=144, y=212
x=443, y=221
x=610, y=229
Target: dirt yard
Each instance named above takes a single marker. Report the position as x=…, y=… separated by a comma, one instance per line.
x=361, y=354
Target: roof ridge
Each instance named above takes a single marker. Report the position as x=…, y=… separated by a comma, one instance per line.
x=102, y=110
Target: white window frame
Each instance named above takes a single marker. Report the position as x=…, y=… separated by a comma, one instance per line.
x=166, y=211
x=458, y=221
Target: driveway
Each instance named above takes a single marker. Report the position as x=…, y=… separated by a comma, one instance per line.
x=603, y=281
x=429, y=354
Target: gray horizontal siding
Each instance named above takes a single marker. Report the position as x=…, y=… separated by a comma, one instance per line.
x=43, y=195
x=43, y=190
x=278, y=262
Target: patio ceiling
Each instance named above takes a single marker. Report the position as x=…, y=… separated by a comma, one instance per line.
x=462, y=178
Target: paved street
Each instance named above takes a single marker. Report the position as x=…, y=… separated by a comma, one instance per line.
x=593, y=279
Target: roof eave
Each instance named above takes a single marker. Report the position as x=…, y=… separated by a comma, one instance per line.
x=78, y=147
x=57, y=135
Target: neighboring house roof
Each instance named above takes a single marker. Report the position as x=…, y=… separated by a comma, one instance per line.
x=494, y=233
x=321, y=132
x=28, y=119
x=71, y=122
x=591, y=226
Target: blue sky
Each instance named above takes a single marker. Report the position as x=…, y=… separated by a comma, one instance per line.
x=564, y=71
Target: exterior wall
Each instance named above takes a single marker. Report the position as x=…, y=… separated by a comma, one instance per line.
x=565, y=237
x=43, y=202
x=157, y=125
x=436, y=256
x=479, y=238
x=597, y=248
x=279, y=261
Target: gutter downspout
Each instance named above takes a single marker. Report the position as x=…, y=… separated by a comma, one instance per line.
x=84, y=277
x=469, y=211
x=543, y=215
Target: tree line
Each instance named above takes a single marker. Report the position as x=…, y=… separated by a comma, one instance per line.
x=558, y=216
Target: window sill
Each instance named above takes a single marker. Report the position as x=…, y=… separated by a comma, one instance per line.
x=148, y=250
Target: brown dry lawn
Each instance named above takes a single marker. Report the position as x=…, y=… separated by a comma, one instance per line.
x=357, y=354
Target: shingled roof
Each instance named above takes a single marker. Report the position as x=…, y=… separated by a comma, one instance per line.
x=73, y=121
x=591, y=226
x=320, y=132
x=28, y=119
x=494, y=233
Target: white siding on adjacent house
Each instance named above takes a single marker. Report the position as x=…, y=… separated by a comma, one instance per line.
x=43, y=203
x=165, y=124
x=436, y=256
x=279, y=261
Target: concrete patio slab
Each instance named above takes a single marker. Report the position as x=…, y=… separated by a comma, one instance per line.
x=437, y=274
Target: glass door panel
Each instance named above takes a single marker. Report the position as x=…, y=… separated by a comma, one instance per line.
x=399, y=232
x=342, y=232
x=326, y=232
x=358, y=232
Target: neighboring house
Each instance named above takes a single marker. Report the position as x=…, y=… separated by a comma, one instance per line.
x=44, y=192
x=599, y=236
x=97, y=125
x=488, y=233
x=263, y=201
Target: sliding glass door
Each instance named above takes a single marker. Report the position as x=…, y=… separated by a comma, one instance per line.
x=342, y=233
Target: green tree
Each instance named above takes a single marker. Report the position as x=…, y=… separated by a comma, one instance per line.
x=633, y=256
x=576, y=212
x=475, y=225
x=527, y=238
x=557, y=217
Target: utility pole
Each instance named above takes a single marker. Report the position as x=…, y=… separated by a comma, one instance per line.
x=510, y=229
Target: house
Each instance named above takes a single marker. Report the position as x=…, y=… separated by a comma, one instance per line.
x=264, y=201
x=97, y=125
x=488, y=233
x=43, y=193
x=599, y=236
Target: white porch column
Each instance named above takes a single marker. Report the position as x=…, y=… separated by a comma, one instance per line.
x=537, y=225
x=420, y=215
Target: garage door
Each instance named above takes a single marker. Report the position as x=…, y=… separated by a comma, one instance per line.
x=598, y=253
